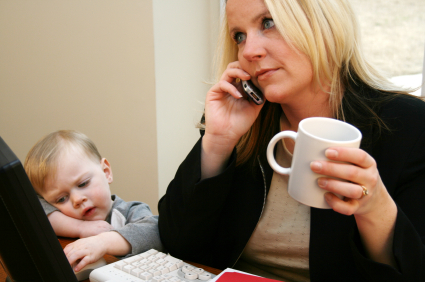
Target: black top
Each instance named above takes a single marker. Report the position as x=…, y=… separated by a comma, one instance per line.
x=211, y=221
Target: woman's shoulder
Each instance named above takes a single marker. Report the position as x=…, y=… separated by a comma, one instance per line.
x=404, y=109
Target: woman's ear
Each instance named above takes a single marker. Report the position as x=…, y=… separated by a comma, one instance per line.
x=107, y=170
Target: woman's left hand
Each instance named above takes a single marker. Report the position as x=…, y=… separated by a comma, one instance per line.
x=362, y=188
x=364, y=196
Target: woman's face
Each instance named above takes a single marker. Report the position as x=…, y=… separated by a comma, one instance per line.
x=284, y=75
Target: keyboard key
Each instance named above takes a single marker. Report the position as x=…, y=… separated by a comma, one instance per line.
x=120, y=264
x=171, y=259
x=145, y=255
x=130, y=260
x=145, y=267
x=180, y=263
x=191, y=276
x=167, y=276
x=157, y=279
x=197, y=270
x=160, y=255
x=145, y=275
x=128, y=268
x=173, y=267
x=161, y=261
x=187, y=268
x=204, y=276
x=152, y=251
x=155, y=272
x=137, y=264
x=136, y=272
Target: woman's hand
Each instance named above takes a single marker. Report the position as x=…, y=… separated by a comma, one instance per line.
x=375, y=212
x=359, y=170
x=228, y=116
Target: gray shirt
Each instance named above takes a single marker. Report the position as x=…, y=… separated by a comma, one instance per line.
x=133, y=220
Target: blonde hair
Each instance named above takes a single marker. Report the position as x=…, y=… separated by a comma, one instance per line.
x=327, y=32
x=42, y=159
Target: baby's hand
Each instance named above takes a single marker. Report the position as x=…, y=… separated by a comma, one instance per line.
x=92, y=228
x=85, y=251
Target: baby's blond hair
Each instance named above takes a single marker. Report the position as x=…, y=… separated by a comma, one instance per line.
x=42, y=159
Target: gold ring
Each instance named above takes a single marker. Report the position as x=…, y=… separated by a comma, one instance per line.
x=365, y=191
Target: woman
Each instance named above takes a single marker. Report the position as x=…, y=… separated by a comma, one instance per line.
x=226, y=207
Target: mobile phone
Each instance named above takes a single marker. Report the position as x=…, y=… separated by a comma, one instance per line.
x=253, y=92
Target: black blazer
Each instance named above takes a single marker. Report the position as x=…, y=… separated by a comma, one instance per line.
x=211, y=221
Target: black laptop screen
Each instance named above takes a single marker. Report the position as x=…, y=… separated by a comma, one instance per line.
x=29, y=248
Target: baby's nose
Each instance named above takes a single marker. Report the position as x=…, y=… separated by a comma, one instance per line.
x=78, y=199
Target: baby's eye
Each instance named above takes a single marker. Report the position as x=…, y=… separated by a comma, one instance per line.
x=84, y=184
x=239, y=37
x=62, y=200
x=268, y=23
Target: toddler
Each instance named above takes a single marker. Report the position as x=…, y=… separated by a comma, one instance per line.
x=72, y=181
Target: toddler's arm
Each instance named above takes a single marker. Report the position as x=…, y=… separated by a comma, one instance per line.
x=66, y=226
x=141, y=227
x=90, y=250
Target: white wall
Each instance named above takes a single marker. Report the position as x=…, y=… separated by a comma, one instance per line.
x=184, y=40
x=128, y=73
x=84, y=65
x=423, y=77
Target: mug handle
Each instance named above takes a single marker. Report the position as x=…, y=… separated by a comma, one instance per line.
x=270, y=149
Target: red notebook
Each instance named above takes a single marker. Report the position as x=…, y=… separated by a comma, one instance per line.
x=241, y=277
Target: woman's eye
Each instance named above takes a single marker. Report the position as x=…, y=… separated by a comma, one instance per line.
x=239, y=37
x=84, y=184
x=268, y=23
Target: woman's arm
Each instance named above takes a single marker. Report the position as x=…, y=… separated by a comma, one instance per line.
x=228, y=116
x=390, y=224
x=375, y=213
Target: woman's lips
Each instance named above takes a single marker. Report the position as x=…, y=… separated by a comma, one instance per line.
x=264, y=74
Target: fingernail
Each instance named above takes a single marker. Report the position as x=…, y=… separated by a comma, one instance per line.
x=330, y=153
x=322, y=182
x=328, y=197
x=238, y=94
x=316, y=166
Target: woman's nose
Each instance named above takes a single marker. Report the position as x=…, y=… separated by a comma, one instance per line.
x=253, y=48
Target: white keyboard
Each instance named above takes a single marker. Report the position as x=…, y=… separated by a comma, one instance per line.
x=150, y=266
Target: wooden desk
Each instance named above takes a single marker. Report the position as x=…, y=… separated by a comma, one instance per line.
x=110, y=259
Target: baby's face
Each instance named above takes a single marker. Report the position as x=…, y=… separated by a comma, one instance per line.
x=81, y=186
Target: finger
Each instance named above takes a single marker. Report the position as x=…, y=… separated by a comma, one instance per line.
x=68, y=248
x=234, y=64
x=226, y=87
x=346, y=206
x=350, y=155
x=82, y=263
x=73, y=258
x=343, y=171
x=233, y=73
x=343, y=188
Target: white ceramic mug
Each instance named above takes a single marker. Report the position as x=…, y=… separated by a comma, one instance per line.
x=314, y=136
